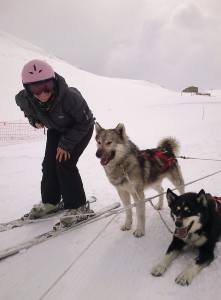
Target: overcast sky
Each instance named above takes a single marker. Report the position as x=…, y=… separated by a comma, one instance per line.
x=172, y=43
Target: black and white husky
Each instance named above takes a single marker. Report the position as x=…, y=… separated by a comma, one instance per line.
x=145, y=169
x=197, y=220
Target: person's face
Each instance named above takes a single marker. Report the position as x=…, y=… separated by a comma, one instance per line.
x=43, y=97
x=42, y=90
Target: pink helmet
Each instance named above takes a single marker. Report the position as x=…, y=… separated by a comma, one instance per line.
x=36, y=70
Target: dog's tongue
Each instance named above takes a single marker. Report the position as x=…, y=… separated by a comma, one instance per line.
x=181, y=233
x=104, y=161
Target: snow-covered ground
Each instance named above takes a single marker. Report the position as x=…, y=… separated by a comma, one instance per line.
x=114, y=265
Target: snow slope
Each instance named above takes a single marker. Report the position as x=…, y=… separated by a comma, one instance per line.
x=114, y=265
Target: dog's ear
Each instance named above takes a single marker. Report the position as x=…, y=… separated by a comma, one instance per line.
x=201, y=198
x=171, y=197
x=98, y=127
x=121, y=130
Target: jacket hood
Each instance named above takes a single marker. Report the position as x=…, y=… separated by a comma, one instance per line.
x=61, y=84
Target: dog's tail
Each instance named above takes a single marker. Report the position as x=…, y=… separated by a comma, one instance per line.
x=170, y=143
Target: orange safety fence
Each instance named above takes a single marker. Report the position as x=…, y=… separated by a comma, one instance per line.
x=18, y=132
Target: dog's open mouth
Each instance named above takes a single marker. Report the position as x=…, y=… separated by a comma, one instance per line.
x=183, y=232
x=105, y=160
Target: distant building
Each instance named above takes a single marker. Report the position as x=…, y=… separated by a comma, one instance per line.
x=191, y=89
x=194, y=91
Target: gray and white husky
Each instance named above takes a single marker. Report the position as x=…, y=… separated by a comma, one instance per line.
x=145, y=169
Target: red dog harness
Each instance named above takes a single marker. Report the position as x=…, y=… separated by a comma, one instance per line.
x=168, y=160
x=216, y=201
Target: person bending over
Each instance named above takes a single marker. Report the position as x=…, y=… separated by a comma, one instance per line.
x=47, y=101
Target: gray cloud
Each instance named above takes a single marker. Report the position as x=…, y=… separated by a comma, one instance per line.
x=172, y=43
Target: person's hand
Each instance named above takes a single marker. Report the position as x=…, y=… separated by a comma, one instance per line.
x=62, y=154
x=39, y=125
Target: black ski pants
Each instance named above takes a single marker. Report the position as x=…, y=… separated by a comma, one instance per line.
x=63, y=178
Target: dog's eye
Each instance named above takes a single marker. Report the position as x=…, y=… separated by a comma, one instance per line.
x=187, y=210
x=178, y=208
x=109, y=142
x=99, y=142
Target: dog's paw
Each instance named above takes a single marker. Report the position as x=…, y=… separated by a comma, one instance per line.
x=158, y=270
x=126, y=226
x=138, y=232
x=158, y=206
x=184, y=278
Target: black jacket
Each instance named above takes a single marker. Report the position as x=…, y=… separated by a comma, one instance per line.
x=69, y=113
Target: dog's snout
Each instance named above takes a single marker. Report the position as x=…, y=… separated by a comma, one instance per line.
x=99, y=153
x=179, y=223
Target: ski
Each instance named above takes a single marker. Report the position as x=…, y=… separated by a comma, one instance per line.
x=26, y=219
x=57, y=231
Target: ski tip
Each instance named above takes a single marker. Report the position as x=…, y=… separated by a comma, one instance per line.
x=91, y=199
x=56, y=226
